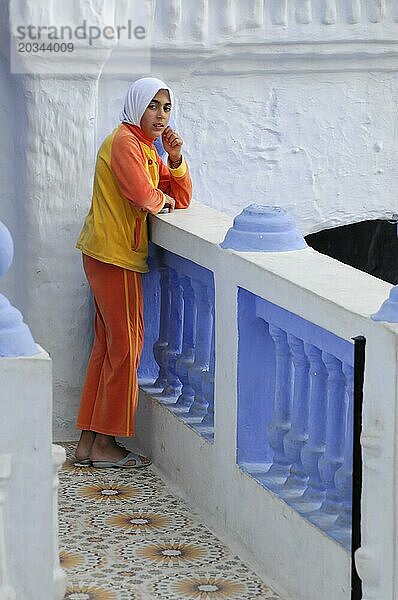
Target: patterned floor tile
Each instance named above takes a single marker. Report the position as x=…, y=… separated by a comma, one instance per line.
x=124, y=536
x=171, y=554
x=138, y=523
x=79, y=560
x=66, y=529
x=77, y=590
x=205, y=586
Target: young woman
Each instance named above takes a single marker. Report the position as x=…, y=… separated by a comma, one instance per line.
x=130, y=181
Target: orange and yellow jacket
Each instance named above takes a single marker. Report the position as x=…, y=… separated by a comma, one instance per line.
x=129, y=182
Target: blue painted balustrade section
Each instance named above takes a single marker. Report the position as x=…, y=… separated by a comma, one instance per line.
x=178, y=363
x=295, y=405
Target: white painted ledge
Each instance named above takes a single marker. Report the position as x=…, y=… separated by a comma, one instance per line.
x=323, y=279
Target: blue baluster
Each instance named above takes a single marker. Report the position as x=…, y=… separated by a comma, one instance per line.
x=204, y=328
x=160, y=346
x=341, y=529
x=174, y=347
x=186, y=361
x=314, y=449
x=332, y=459
x=279, y=427
x=206, y=427
x=295, y=439
x=148, y=368
x=256, y=385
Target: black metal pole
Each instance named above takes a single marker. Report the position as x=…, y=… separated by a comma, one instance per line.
x=359, y=370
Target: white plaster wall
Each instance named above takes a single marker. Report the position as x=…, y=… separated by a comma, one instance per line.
x=301, y=123
x=323, y=146
x=58, y=155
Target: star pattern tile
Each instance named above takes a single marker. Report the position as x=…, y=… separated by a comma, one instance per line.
x=124, y=536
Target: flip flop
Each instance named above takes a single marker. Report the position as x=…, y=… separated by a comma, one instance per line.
x=85, y=462
x=121, y=464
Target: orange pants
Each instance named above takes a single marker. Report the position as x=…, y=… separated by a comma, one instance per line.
x=110, y=393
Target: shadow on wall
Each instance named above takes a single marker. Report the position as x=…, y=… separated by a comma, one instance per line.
x=370, y=246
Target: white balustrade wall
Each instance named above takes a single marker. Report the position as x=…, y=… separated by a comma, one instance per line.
x=29, y=554
x=274, y=459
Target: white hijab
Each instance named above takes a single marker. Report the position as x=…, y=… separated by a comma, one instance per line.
x=139, y=95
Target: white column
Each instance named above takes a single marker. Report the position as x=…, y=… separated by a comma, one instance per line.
x=200, y=25
x=174, y=18
x=304, y=11
x=6, y=591
x=329, y=11
x=354, y=11
x=376, y=10
x=279, y=16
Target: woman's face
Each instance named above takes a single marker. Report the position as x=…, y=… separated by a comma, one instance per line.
x=156, y=115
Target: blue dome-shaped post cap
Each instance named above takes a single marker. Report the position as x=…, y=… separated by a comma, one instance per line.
x=388, y=311
x=15, y=336
x=261, y=228
x=6, y=249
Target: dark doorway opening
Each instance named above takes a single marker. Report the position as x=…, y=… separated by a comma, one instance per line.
x=370, y=246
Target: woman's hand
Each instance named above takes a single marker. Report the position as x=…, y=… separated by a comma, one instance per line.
x=172, y=144
x=170, y=203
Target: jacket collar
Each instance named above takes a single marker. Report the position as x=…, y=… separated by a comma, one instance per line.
x=139, y=134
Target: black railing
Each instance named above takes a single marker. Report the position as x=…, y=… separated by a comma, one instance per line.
x=359, y=369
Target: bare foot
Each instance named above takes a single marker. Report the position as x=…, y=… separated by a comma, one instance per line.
x=105, y=448
x=85, y=444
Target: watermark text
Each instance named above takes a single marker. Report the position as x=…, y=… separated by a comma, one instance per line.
x=62, y=33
